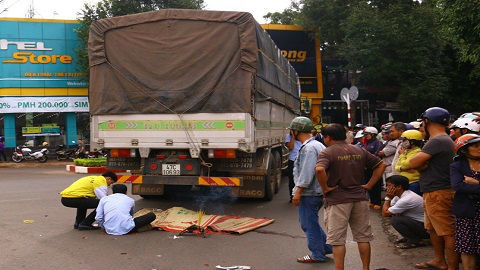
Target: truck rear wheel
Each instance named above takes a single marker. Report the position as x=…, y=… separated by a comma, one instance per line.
x=151, y=197
x=270, y=178
x=278, y=171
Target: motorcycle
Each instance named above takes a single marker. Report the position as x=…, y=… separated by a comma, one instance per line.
x=63, y=153
x=96, y=153
x=24, y=153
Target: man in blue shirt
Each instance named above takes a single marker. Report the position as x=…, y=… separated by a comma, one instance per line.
x=115, y=213
x=307, y=193
x=293, y=145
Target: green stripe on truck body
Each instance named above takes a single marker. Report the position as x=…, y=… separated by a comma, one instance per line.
x=171, y=125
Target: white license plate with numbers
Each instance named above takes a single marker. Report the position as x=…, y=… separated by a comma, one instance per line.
x=171, y=169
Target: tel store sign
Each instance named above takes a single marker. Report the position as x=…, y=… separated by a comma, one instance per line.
x=39, y=55
x=24, y=56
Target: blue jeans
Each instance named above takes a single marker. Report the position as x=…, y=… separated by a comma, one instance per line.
x=316, y=237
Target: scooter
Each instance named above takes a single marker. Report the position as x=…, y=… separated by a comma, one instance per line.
x=96, y=153
x=24, y=153
x=63, y=153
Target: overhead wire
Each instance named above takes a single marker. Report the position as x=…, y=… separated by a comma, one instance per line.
x=182, y=121
x=7, y=8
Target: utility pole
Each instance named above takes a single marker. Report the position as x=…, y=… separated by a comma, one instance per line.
x=31, y=11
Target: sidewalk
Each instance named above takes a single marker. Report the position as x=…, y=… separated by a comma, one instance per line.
x=411, y=256
x=35, y=164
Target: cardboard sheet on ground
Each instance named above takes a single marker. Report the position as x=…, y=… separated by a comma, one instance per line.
x=176, y=219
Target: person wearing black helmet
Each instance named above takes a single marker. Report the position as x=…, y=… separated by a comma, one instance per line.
x=433, y=162
x=359, y=127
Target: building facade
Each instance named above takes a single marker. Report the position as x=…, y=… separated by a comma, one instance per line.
x=43, y=95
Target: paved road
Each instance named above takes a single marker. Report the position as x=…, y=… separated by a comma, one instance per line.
x=50, y=242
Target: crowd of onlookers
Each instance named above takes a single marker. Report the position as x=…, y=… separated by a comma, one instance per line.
x=428, y=169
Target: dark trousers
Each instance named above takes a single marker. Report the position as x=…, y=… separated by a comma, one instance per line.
x=144, y=220
x=2, y=154
x=291, y=183
x=410, y=229
x=82, y=204
x=375, y=193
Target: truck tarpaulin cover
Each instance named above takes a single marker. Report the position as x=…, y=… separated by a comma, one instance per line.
x=186, y=61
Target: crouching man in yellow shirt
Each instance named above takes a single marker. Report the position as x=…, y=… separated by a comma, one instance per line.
x=85, y=193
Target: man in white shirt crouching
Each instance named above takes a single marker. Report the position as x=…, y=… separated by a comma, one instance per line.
x=115, y=213
x=406, y=209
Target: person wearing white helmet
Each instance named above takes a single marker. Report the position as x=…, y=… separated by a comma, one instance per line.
x=373, y=146
x=415, y=124
x=464, y=126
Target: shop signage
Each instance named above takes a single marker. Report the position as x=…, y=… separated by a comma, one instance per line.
x=300, y=50
x=44, y=129
x=39, y=55
x=31, y=130
x=43, y=104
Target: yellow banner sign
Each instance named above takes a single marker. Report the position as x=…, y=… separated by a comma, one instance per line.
x=31, y=130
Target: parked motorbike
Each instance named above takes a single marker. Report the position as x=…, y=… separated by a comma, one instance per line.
x=96, y=153
x=64, y=153
x=25, y=153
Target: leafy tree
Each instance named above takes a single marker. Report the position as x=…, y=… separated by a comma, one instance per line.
x=112, y=8
x=461, y=19
x=399, y=44
x=287, y=16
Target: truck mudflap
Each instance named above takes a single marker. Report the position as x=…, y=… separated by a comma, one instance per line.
x=253, y=187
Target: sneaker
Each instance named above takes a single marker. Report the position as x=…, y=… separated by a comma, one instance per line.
x=82, y=227
x=308, y=259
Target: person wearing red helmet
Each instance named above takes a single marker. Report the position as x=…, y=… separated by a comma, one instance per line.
x=465, y=175
x=433, y=162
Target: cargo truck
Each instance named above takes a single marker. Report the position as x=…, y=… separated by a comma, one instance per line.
x=191, y=98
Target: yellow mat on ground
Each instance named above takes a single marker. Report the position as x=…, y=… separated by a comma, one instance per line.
x=177, y=219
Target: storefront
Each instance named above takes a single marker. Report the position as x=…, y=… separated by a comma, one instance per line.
x=43, y=95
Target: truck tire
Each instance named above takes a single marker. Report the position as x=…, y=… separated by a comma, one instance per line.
x=270, y=179
x=278, y=171
x=150, y=197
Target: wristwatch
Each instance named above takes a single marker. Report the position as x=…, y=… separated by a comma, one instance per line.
x=387, y=199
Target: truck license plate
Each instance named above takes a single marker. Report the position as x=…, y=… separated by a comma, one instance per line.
x=171, y=169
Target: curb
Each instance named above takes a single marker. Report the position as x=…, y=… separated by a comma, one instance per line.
x=81, y=169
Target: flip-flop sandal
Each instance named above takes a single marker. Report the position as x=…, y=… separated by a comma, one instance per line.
x=308, y=259
x=409, y=245
x=399, y=241
x=426, y=265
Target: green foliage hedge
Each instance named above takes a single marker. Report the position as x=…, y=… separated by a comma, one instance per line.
x=90, y=162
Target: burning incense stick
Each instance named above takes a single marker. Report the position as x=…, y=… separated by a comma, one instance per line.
x=200, y=215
